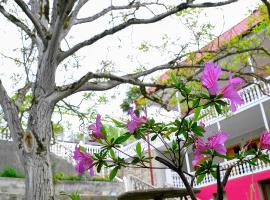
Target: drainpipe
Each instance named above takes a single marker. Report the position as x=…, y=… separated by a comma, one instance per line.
x=261, y=105
x=149, y=154
x=179, y=110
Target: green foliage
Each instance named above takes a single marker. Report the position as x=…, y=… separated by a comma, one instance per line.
x=72, y=195
x=11, y=172
x=58, y=129
x=133, y=95
x=61, y=176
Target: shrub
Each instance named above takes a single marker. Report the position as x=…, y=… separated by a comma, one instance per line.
x=11, y=172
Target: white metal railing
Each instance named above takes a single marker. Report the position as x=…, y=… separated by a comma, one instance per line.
x=239, y=170
x=133, y=183
x=251, y=95
x=65, y=149
x=5, y=136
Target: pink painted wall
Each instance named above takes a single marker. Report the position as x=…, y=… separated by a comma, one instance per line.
x=238, y=188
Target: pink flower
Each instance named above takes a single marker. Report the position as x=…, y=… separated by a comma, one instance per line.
x=215, y=142
x=200, y=146
x=135, y=121
x=84, y=161
x=209, y=80
x=96, y=128
x=210, y=77
x=265, y=140
x=230, y=92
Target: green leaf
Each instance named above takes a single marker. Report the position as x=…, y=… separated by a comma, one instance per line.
x=121, y=139
x=251, y=162
x=197, y=113
x=113, y=173
x=218, y=108
x=82, y=149
x=214, y=174
x=139, y=149
x=198, y=130
x=200, y=178
x=154, y=137
x=135, y=160
x=174, y=145
x=195, y=102
x=99, y=167
x=264, y=158
x=222, y=103
x=112, y=154
x=118, y=123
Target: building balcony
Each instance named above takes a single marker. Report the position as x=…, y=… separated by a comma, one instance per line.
x=173, y=179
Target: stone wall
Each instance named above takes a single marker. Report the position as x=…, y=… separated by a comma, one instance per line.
x=9, y=158
x=13, y=189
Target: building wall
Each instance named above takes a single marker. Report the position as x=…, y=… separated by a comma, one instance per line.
x=242, y=188
x=14, y=188
x=10, y=158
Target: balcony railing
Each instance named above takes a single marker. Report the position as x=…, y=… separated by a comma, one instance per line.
x=239, y=170
x=252, y=95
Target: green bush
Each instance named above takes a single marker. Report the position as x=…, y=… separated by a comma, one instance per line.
x=11, y=172
x=97, y=178
x=60, y=176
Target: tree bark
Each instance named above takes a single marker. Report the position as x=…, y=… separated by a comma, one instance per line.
x=187, y=185
x=36, y=154
x=38, y=181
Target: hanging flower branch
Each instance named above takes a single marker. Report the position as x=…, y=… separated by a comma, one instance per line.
x=184, y=134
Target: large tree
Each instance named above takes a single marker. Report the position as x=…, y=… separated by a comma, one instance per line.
x=47, y=23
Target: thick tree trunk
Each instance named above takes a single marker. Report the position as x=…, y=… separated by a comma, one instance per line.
x=36, y=154
x=39, y=185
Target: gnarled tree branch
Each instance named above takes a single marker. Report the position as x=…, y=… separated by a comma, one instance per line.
x=41, y=31
x=17, y=22
x=11, y=114
x=134, y=21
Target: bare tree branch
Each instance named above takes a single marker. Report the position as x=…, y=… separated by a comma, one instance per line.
x=83, y=84
x=133, y=4
x=21, y=95
x=17, y=22
x=37, y=24
x=134, y=21
x=73, y=17
x=11, y=114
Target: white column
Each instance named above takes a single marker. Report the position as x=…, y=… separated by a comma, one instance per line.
x=169, y=179
x=218, y=126
x=187, y=162
x=261, y=105
x=178, y=103
x=264, y=117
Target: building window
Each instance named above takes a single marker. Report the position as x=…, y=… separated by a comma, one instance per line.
x=231, y=151
x=264, y=189
x=253, y=144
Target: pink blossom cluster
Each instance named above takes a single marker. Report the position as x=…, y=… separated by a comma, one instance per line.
x=135, y=121
x=210, y=78
x=84, y=161
x=215, y=142
x=265, y=140
x=96, y=129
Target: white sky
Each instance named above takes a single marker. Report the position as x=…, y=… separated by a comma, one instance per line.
x=122, y=48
